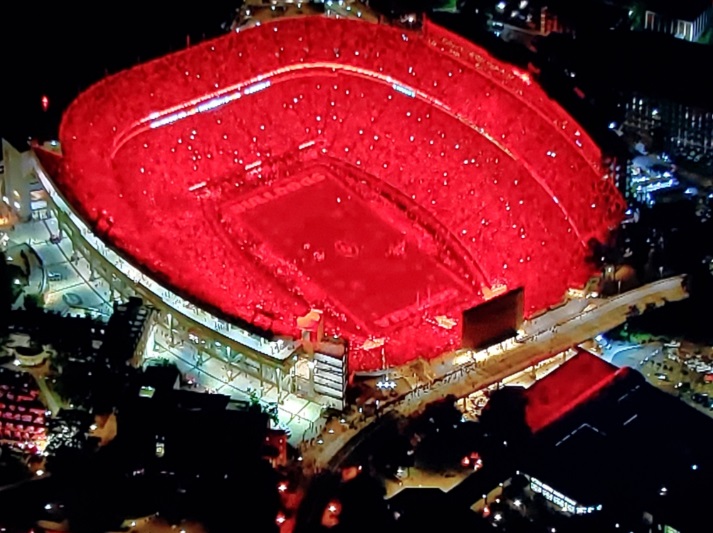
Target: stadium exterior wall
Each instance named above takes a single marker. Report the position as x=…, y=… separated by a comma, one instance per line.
x=221, y=337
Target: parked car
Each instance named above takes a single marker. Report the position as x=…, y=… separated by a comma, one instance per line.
x=700, y=397
x=672, y=344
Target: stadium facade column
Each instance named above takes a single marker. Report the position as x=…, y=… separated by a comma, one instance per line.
x=462, y=403
x=262, y=377
x=92, y=273
x=278, y=375
x=170, y=330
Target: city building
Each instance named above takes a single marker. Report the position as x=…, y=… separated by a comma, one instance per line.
x=549, y=22
x=540, y=18
x=160, y=377
x=685, y=19
x=4, y=207
x=77, y=339
x=688, y=19
x=256, y=12
x=671, y=126
x=651, y=88
x=609, y=445
x=23, y=197
x=665, y=113
x=129, y=333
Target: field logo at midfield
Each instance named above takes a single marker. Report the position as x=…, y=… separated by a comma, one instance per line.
x=276, y=192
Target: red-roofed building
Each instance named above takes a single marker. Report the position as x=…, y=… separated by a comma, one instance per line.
x=567, y=387
x=22, y=414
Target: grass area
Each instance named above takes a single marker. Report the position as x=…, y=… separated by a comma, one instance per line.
x=448, y=5
x=707, y=37
x=624, y=333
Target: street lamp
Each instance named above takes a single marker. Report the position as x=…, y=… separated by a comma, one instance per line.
x=386, y=384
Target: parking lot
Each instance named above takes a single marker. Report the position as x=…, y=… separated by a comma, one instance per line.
x=683, y=369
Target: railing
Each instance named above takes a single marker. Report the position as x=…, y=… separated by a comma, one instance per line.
x=471, y=365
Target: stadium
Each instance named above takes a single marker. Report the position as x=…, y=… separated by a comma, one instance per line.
x=316, y=178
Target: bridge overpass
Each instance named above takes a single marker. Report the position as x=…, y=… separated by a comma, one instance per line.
x=462, y=373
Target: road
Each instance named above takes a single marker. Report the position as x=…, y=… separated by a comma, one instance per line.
x=631, y=355
x=599, y=316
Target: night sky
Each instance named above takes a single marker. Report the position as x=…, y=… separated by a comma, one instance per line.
x=60, y=48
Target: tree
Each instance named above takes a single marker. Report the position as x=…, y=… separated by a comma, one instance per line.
x=387, y=449
x=364, y=506
x=504, y=422
x=6, y=295
x=602, y=254
x=162, y=361
x=34, y=302
x=444, y=439
x=90, y=492
x=12, y=468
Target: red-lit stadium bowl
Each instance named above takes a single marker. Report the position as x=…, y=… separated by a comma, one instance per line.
x=391, y=179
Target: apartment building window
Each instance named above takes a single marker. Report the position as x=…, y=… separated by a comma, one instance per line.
x=650, y=23
x=684, y=30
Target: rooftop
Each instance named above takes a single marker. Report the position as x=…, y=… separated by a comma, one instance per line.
x=160, y=377
x=124, y=330
x=185, y=421
x=568, y=386
x=631, y=447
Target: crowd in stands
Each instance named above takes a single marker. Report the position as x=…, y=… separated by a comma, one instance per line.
x=464, y=139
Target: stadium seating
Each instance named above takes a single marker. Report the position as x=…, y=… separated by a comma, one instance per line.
x=465, y=140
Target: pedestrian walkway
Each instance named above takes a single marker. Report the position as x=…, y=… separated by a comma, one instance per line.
x=302, y=417
x=73, y=290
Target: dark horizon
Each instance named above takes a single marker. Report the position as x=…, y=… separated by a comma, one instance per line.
x=59, y=50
